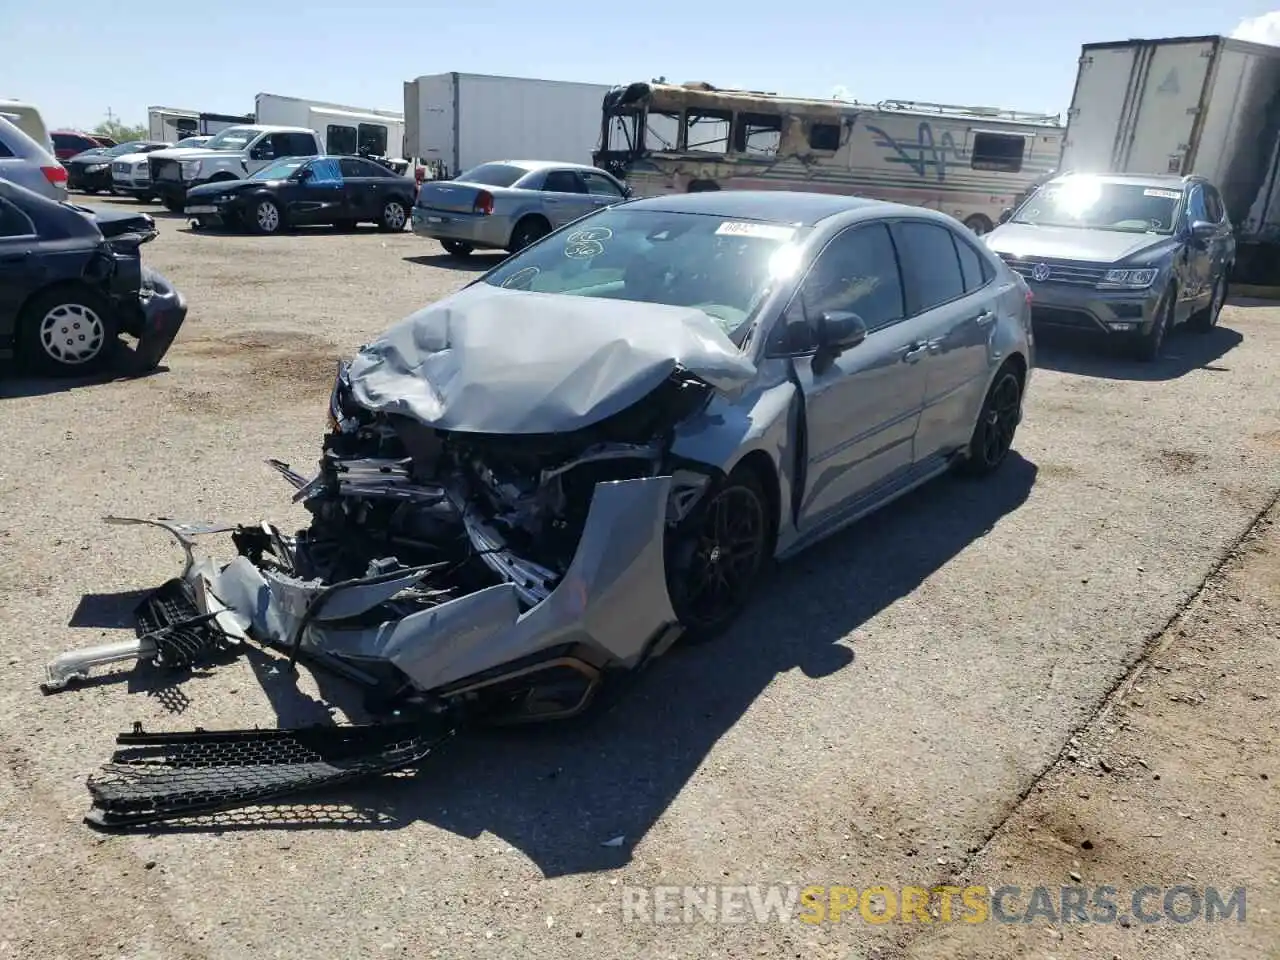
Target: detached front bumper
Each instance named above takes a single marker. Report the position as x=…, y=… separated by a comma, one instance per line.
x=609, y=612
x=154, y=317
x=1086, y=308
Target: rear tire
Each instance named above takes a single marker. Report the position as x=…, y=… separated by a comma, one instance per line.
x=529, y=230
x=997, y=423
x=1207, y=319
x=979, y=224
x=394, y=216
x=456, y=248
x=174, y=206
x=69, y=331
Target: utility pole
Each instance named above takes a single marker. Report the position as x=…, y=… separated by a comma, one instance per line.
x=111, y=117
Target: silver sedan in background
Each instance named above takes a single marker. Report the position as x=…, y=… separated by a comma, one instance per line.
x=508, y=204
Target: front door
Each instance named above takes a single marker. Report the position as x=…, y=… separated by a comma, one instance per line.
x=320, y=198
x=951, y=290
x=1197, y=275
x=566, y=198
x=862, y=407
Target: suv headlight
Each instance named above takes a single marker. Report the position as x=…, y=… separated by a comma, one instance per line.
x=96, y=167
x=1130, y=278
x=190, y=169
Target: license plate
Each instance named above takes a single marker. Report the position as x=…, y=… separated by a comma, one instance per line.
x=199, y=209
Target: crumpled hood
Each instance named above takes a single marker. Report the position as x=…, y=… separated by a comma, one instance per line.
x=489, y=360
x=1027, y=241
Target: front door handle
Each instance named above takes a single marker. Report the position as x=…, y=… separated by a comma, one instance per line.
x=985, y=319
x=915, y=352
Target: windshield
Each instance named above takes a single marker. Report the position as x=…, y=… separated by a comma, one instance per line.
x=1095, y=204
x=722, y=267
x=232, y=138
x=493, y=174
x=280, y=170
x=131, y=147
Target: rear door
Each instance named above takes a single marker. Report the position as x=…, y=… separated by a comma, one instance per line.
x=565, y=196
x=19, y=270
x=360, y=192
x=950, y=291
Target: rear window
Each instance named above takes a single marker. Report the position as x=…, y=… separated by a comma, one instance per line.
x=493, y=174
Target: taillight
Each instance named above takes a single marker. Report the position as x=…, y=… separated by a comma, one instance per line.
x=55, y=175
x=483, y=204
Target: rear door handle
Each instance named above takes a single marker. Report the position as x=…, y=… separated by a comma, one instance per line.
x=985, y=319
x=915, y=352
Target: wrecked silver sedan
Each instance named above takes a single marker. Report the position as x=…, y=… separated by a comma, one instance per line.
x=539, y=483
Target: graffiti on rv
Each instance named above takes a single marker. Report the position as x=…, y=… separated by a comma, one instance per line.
x=923, y=155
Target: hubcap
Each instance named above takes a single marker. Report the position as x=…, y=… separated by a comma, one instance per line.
x=726, y=555
x=268, y=216
x=1001, y=420
x=71, y=333
x=394, y=215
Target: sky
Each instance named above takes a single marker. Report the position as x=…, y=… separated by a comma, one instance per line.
x=76, y=62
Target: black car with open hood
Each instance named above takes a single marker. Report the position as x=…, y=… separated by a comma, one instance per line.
x=72, y=280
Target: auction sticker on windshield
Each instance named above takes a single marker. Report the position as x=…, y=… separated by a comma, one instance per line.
x=764, y=231
x=1166, y=194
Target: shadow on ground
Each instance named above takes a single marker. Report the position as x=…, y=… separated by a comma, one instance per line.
x=13, y=386
x=472, y=264
x=557, y=792
x=1099, y=356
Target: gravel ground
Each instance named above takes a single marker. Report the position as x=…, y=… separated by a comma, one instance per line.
x=881, y=711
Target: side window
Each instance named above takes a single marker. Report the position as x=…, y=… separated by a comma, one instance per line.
x=1196, y=209
x=340, y=139
x=857, y=272
x=351, y=167
x=997, y=151
x=562, y=181
x=600, y=186
x=373, y=139
x=974, y=268
x=661, y=131
x=707, y=130
x=1213, y=201
x=13, y=222
x=824, y=136
x=930, y=264
x=4, y=150
x=758, y=134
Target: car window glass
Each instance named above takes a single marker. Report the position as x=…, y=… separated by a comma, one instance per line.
x=1195, y=205
x=4, y=150
x=857, y=272
x=975, y=271
x=1213, y=201
x=13, y=222
x=352, y=168
x=600, y=185
x=562, y=181
x=931, y=264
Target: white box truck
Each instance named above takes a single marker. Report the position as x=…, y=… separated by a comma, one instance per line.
x=171, y=124
x=342, y=130
x=454, y=121
x=1208, y=106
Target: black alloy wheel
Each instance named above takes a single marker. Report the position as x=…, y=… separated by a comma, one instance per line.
x=997, y=423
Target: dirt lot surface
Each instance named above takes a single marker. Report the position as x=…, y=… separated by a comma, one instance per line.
x=882, y=716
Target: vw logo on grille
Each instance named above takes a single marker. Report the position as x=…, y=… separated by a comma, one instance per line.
x=1040, y=272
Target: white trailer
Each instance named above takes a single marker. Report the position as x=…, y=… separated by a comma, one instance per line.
x=171, y=124
x=454, y=121
x=343, y=130
x=1184, y=105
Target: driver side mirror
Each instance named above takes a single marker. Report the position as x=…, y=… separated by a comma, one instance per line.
x=304, y=174
x=839, y=331
x=1005, y=215
x=1203, y=229
x=626, y=191
x=263, y=151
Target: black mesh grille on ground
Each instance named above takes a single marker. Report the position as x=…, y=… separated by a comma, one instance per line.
x=167, y=776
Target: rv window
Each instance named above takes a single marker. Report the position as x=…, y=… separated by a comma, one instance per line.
x=373, y=139
x=824, y=136
x=340, y=140
x=758, y=133
x=707, y=130
x=662, y=131
x=997, y=151
x=620, y=134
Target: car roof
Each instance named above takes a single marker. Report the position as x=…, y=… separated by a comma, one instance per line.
x=1170, y=180
x=778, y=206
x=532, y=165
x=261, y=127
x=23, y=146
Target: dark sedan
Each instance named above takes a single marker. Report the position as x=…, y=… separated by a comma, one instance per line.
x=72, y=280
x=300, y=191
x=90, y=171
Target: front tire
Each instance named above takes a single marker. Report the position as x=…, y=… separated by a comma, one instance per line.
x=1147, y=347
x=394, y=217
x=716, y=557
x=68, y=332
x=997, y=423
x=265, y=218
